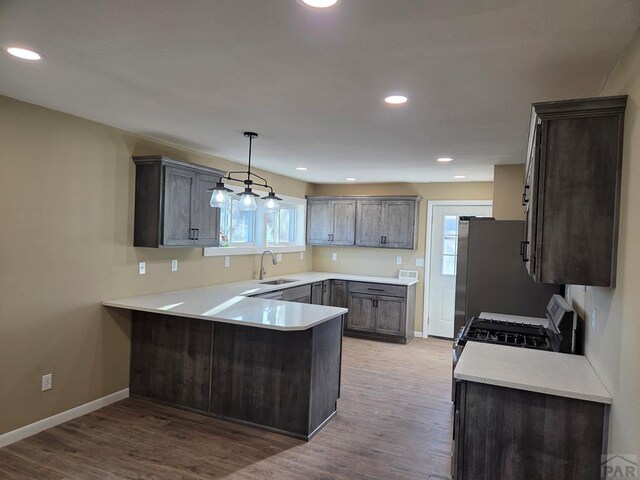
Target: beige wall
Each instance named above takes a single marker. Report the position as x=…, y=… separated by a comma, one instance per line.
x=381, y=261
x=508, y=183
x=614, y=348
x=66, y=207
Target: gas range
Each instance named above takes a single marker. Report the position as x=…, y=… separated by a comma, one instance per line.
x=559, y=335
x=508, y=333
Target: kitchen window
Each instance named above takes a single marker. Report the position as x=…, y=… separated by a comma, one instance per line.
x=247, y=233
x=236, y=226
x=281, y=226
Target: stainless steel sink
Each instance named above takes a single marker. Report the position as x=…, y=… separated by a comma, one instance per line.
x=279, y=281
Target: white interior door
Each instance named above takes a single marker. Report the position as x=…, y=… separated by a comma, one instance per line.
x=442, y=264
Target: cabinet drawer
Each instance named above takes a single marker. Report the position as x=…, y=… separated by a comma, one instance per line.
x=378, y=289
x=296, y=293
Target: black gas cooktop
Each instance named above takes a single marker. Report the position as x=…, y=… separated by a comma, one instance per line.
x=506, y=333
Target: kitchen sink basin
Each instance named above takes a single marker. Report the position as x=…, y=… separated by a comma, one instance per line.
x=279, y=281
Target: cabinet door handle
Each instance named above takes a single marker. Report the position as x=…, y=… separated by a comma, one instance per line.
x=381, y=239
x=332, y=237
x=522, y=248
x=197, y=233
x=191, y=233
x=385, y=239
x=375, y=303
x=524, y=251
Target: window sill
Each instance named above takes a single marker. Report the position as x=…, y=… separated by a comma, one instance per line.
x=253, y=250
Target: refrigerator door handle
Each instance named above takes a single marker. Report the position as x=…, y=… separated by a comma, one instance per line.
x=524, y=251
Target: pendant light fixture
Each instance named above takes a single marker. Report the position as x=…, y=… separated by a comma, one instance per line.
x=220, y=194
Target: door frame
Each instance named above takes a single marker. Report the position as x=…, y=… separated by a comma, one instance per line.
x=427, y=254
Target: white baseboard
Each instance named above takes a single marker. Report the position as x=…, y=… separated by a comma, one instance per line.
x=37, y=427
x=417, y=334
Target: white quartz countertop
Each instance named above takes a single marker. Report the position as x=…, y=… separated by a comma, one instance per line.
x=551, y=373
x=231, y=302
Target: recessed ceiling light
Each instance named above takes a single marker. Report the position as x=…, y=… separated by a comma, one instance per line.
x=445, y=159
x=459, y=176
x=302, y=169
x=350, y=179
x=320, y=3
x=396, y=99
x=23, y=53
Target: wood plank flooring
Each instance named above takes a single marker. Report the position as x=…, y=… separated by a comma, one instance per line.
x=394, y=423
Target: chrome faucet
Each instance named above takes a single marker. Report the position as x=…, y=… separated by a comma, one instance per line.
x=273, y=259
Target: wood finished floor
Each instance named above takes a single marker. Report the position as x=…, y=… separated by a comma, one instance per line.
x=394, y=422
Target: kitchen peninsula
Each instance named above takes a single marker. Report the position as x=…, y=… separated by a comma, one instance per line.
x=229, y=352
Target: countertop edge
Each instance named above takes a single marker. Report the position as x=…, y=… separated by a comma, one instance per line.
x=107, y=303
x=534, y=388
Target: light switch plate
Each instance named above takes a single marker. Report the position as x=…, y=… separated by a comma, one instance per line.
x=227, y=260
x=47, y=382
x=334, y=256
x=419, y=262
x=398, y=260
x=142, y=268
x=594, y=316
x=174, y=265
x=279, y=257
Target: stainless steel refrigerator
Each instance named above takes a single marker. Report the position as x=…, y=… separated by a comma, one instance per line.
x=491, y=276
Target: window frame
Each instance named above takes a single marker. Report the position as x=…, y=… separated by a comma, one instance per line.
x=252, y=228
x=260, y=233
x=444, y=237
x=293, y=223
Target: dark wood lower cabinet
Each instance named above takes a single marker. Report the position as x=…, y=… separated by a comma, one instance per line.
x=288, y=382
x=171, y=359
x=508, y=434
x=381, y=312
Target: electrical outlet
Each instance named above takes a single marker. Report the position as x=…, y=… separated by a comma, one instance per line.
x=398, y=260
x=301, y=255
x=594, y=316
x=334, y=256
x=226, y=262
x=419, y=262
x=47, y=382
x=174, y=265
x=142, y=268
x=278, y=257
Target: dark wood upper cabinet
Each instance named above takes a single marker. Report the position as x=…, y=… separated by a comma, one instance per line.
x=387, y=222
x=330, y=221
x=384, y=222
x=572, y=191
x=172, y=204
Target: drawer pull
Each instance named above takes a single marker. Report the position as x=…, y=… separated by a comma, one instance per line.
x=376, y=289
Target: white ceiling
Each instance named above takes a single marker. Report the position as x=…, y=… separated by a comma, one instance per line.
x=311, y=82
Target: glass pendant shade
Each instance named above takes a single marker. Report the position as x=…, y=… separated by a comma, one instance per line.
x=271, y=203
x=247, y=201
x=220, y=196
